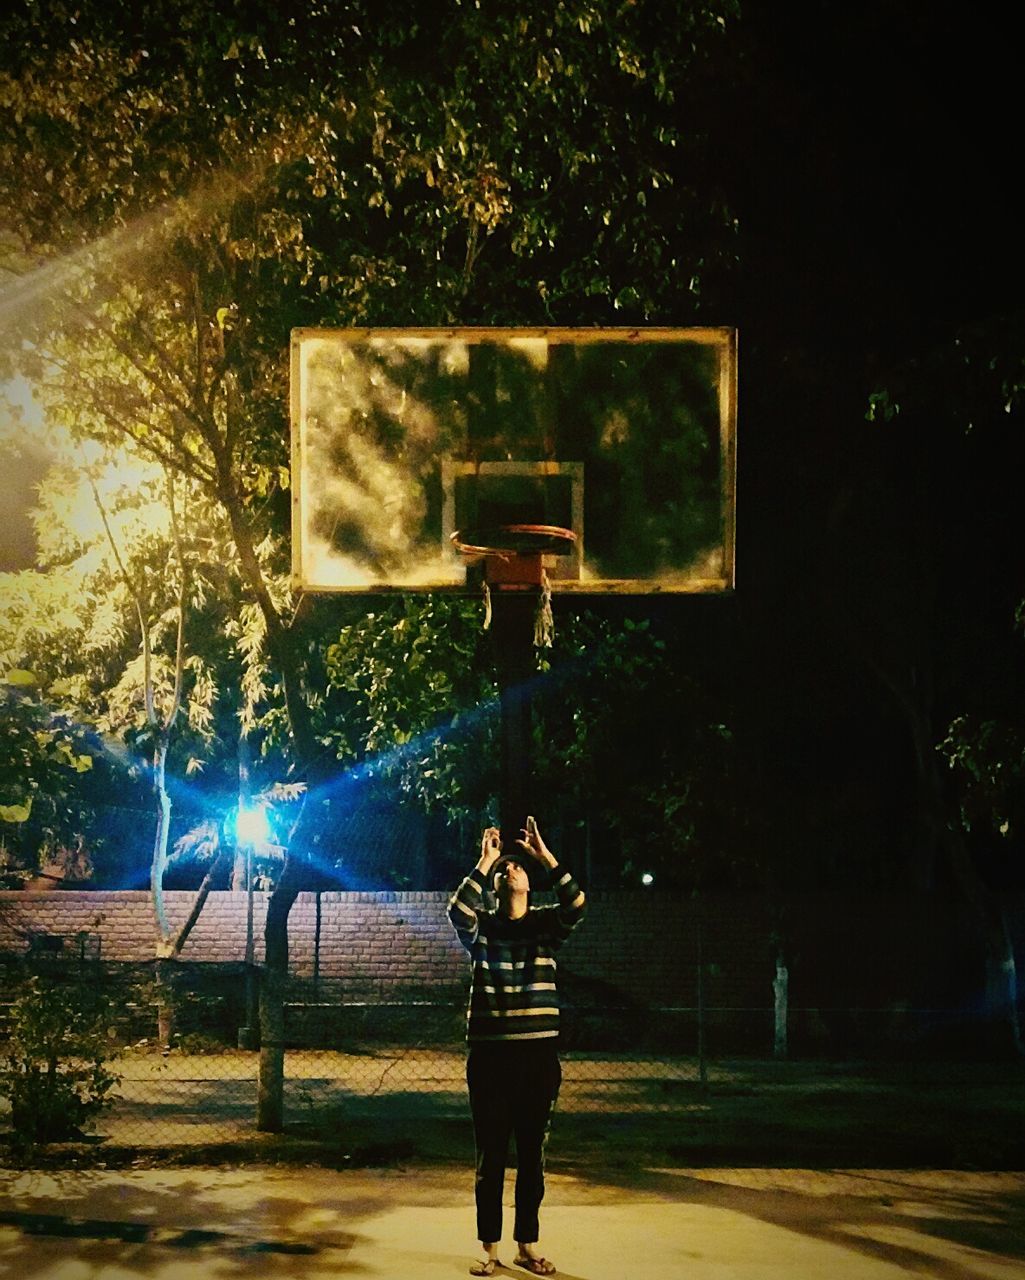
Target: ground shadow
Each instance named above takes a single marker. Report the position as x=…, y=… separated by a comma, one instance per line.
x=876, y=1219
x=159, y=1221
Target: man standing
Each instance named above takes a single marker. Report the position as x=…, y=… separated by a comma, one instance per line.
x=513, y=1069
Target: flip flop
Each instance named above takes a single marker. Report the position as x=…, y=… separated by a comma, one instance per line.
x=484, y=1268
x=536, y=1266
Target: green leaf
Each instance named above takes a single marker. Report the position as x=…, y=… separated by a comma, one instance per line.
x=20, y=678
x=16, y=812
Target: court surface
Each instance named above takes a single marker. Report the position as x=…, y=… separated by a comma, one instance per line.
x=711, y=1224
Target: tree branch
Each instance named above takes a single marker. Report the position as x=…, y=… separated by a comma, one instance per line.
x=179, y=655
x=147, y=671
x=175, y=457
x=127, y=353
x=202, y=893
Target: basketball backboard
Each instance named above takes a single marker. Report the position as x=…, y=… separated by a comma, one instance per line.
x=403, y=437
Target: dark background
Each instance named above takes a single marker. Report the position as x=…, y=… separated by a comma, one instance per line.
x=869, y=152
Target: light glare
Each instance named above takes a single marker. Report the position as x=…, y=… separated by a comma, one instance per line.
x=252, y=826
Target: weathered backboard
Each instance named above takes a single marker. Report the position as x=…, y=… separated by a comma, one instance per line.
x=401, y=437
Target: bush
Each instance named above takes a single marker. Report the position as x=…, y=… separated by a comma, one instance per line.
x=195, y=1042
x=56, y=1074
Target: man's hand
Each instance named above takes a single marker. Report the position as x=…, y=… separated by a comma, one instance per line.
x=534, y=845
x=490, y=849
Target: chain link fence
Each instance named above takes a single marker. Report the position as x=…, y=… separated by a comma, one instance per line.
x=344, y=1062
x=389, y=1070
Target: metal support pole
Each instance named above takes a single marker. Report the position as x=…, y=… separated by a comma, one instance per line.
x=249, y=1035
x=512, y=631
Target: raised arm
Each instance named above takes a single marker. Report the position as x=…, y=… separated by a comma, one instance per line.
x=572, y=903
x=467, y=899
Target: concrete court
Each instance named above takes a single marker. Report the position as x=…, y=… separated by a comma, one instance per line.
x=714, y=1224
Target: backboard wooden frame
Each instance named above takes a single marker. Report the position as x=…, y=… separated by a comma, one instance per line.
x=450, y=574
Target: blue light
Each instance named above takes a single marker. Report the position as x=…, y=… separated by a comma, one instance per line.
x=251, y=825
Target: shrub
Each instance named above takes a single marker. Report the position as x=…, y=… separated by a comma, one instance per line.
x=56, y=1074
x=195, y=1042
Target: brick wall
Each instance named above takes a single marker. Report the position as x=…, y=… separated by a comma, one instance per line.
x=634, y=947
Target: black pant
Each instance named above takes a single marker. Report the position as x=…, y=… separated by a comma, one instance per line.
x=513, y=1088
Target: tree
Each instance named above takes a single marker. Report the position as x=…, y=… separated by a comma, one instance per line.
x=414, y=703
x=634, y=770
x=160, y=722
x=116, y=560
x=638, y=756
x=192, y=185
x=951, y=419
x=110, y=542
x=43, y=759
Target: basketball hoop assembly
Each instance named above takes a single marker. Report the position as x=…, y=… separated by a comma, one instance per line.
x=513, y=556
x=521, y=463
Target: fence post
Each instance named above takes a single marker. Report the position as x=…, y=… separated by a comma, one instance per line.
x=249, y=1035
x=780, y=991
x=702, y=1055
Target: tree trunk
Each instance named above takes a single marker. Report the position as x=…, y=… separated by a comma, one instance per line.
x=270, y=1101
x=242, y=866
x=282, y=648
x=1002, y=988
x=163, y=946
x=1002, y=1033
x=270, y=1090
x=1003, y=1030
x=165, y=1002
x=158, y=863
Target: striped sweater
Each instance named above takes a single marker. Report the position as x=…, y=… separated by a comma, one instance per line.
x=513, y=991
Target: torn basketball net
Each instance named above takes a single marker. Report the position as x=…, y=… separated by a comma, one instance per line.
x=513, y=556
